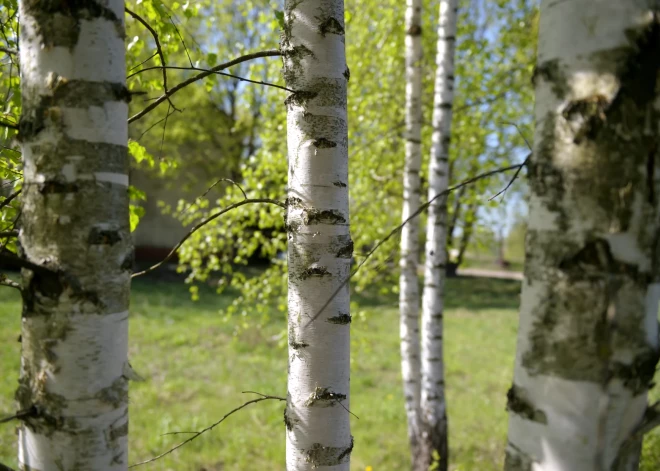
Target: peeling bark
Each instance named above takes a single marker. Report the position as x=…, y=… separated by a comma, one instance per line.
x=434, y=448
x=74, y=135
x=319, y=243
x=588, y=336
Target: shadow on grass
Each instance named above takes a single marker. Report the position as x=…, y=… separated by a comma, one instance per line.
x=482, y=293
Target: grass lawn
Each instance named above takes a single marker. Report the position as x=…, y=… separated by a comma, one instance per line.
x=196, y=368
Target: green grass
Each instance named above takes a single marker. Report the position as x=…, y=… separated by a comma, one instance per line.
x=196, y=368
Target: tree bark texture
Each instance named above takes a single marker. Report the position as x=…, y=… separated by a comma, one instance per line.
x=434, y=442
x=319, y=243
x=588, y=335
x=409, y=261
x=75, y=226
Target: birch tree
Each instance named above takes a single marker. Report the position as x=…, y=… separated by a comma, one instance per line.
x=409, y=261
x=74, y=237
x=434, y=447
x=588, y=335
x=319, y=243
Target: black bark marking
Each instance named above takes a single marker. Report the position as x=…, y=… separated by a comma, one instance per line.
x=341, y=319
x=59, y=22
x=346, y=251
x=300, y=98
x=325, y=216
x=54, y=187
x=324, y=143
x=98, y=236
x=520, y=404
x=331, y=25
x=314, y=271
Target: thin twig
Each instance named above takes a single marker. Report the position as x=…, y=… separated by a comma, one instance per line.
x=263, y=397
x=529, y=146
x=182, y=41
x=9, y=199
x=205, y=222
x=6, y=281
x=159, y=50
x=200, y=69
x=419, y=211
x=154, y=125
x=18, y=415
x=513, y=179
x=8, y=51
x=229, y=180
x=201, y=75
x=144, y=61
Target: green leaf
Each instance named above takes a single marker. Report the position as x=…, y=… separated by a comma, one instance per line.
x=279, y=15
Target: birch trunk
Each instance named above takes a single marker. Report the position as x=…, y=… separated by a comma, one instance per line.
x=588, y=335
x=408, y=281
x=320, y=247
x=434, y=449
x=75, y=228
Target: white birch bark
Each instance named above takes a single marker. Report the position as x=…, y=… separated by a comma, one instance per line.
x=408, y=281
x=434, y=448
x=75, y=227
x=588, y=336
x=319, y=243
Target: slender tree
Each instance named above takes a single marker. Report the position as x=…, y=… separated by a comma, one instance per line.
x=74, y=237
x=588, y=336
x=434, y=448
x=319, y=243
x=408, y=281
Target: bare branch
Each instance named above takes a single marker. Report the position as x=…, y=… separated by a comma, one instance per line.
x=210, y=188
x=199, y=69
x=8, y=51
x=263, y=397
x=9, y=199
x=21, y=414
x=17, y=262
x=205, y=222
x=529, y=146
x=515, y=175
x=397, y=229
x=201, y=75
x=7, y=234
x=6, y=281
x=159, y=51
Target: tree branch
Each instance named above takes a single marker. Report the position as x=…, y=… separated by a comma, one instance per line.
x=8, y=51
x=5, y=468
x=205, y=222
x=17, y=262
x=5, y=281
x=199, y=69
x=263, y=397
x=397, y=229
x=7, y=234
x=200, y=76
x=515, y=175
x=9, y=199
x=159, y=51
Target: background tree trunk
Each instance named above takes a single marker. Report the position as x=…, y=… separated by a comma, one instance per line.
x=408, y=280
x=319, y=244
x=75, y=226
x=434, y=445
x=588, y=335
